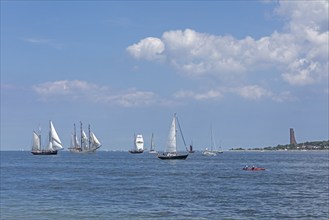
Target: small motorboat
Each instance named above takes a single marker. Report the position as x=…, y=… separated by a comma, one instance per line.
x=253, y=168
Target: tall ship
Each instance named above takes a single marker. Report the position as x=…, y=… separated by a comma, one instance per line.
x=86, y=144
x=138, y=144
x=53, y=146
x=171, y=152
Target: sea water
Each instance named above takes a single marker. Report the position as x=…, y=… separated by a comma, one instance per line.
x=119, y=185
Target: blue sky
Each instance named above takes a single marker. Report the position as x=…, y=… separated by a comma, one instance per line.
x=249, y=69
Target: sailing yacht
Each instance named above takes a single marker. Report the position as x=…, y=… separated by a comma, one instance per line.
x=86, y=144
x=171, y=149
x=54, y=143
x=212, y=151
x=152, y=149
x=138, y=144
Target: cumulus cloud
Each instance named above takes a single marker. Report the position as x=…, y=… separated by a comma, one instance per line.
x=299, y=52
x=149, y=48
x=85, y=91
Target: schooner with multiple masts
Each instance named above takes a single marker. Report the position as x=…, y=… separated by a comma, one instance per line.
x=86, y=144
x=54, y=143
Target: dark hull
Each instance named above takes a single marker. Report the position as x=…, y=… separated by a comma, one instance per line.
x=172, y=157
x=48, y=152
x=136, y=151
x=254, y=169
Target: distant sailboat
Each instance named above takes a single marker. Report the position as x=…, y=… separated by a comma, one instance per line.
x=54, y=143
x=87, y=144
x=138, y=145
x=212, y=151
x=171, y=149
x=152, y=149
x=190, y=149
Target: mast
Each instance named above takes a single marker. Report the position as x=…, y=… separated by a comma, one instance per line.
x=49, y=137
x=89, y=140
x=211, y=138
x=39, y=135
x=152, y=142
x=75, y=136
x=81, y=136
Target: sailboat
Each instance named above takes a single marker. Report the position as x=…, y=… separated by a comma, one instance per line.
x=54, y=143
x=138, y=145
x=190, y=149
x=152, y=149
x=171, y=149
x=86, y=144
x=212, y=151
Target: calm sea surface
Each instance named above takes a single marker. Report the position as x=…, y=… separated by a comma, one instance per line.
x=119, y=185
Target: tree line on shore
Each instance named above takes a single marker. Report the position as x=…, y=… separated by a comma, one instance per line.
x=309, y=145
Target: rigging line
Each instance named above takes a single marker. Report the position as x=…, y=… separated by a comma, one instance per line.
x=181, y=131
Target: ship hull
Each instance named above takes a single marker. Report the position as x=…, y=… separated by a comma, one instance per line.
x=172, y=157
x=44, y=152
x=136, y=151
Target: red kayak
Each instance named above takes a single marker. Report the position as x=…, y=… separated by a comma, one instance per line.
x=253, y=168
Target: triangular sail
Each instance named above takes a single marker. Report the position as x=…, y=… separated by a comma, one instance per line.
x=36, y=142
x=55, y=142
x=171, y=143
x=94, y=141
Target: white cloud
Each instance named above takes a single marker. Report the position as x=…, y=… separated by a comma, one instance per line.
x=299, y=53
x=149, y=48
x=88, y=92
x=285, y=96
x=82, y=91
x=208, y=95
x=44, y=41
x=253, y=92
x=75, y=88
x=249, y=92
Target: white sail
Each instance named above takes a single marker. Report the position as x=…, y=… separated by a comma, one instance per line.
x=74, y=142
x=36, y=142
x=84, y=140
x=94, y=141
x=55, y=142
x=139, y=142
x=171, y=143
